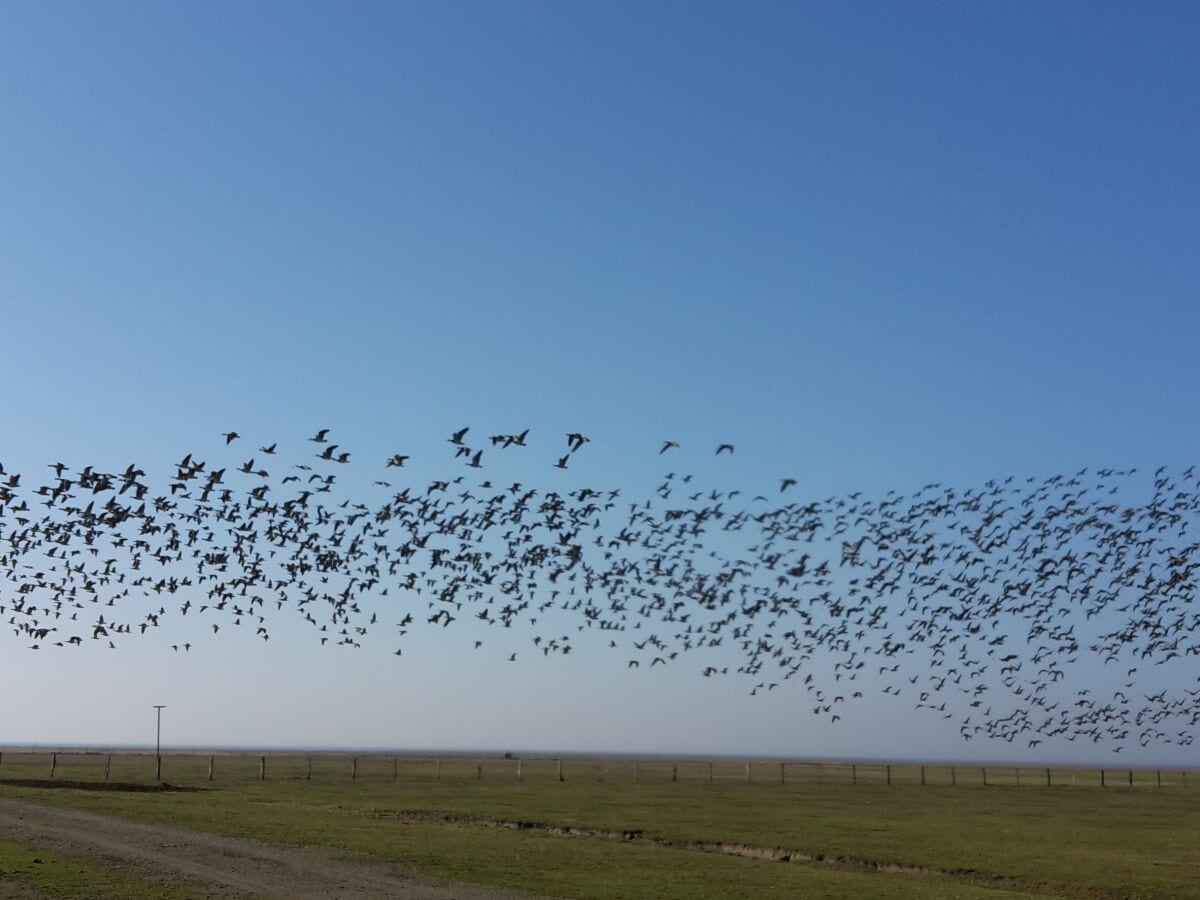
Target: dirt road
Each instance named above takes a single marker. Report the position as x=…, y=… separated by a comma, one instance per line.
x=210, y=865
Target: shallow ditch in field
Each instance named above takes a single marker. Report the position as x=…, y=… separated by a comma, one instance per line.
x=123, y=786
x=635, y=836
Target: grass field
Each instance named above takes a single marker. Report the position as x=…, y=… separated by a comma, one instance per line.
x=600, y=834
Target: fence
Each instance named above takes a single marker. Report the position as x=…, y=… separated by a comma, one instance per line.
x=194, y=768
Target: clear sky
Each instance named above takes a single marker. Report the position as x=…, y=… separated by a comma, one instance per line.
x=873, y=245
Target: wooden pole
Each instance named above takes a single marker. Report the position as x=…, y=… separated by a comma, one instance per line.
x=747, y=773
x=211, y=762
x=518, y=770
x=107, y=766
x=354, y=769
x=53, y=764
x=1158, y=776
x=889, y=775
x=854, y=773
x=674, y=772
x=308, y=773
x=479, y=771
x=262, y=768
x=953, y=777
x=1018, y=772
x=1047, y=778
x=1102, y=784
x=560, y=774
x=710, y=775
x=437, y=772
x=922, y=776
x=1131, y=777
x=984, y=770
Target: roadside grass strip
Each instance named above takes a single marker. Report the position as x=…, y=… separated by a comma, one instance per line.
x=52, y=874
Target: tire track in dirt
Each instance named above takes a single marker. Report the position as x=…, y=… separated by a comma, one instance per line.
x=216, y=866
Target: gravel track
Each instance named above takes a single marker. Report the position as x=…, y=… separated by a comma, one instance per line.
x=212, y=865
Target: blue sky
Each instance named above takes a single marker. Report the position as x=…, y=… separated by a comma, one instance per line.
x=872, y=245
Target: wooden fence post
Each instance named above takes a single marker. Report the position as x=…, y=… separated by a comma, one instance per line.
x=1047, y=778
x=953, y=777
x=922, y=776
x=518, y=770
x=747, y=773
x=984, y=770
x=1131, y=777
x=308, y=773
x=262, y=768
x=889, y=775
x=560, y=774
x=1184, y=777
x=1102, y=784
x=710, y=775
x=354, y=769
x=1018, y=772
x=674, y=772
x=53, y=764
x=437, y=772
x=211, y=761
x=1158, y=776
x=782, y=773
x=479, y=771
x=854, y=773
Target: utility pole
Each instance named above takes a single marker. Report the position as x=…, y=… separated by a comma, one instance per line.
x=158, y=743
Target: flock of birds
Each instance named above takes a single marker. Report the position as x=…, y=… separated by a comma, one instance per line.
x=971, y=603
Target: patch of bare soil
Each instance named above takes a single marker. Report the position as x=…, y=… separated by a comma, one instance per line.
x=11, y=890
x=127, y=786
x=211, y=865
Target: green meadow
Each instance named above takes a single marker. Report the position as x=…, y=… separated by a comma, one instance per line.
x=613, y=829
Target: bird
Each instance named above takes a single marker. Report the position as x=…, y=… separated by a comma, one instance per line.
x=230, y=436
x=949, y=574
